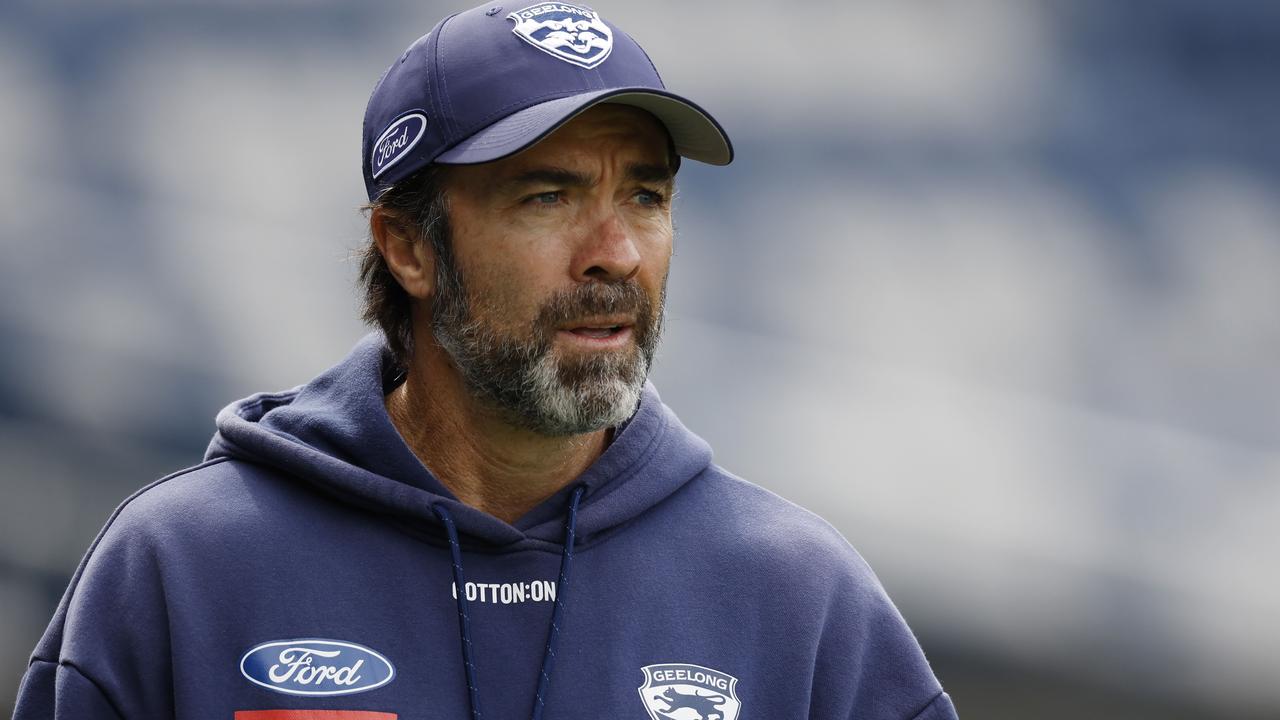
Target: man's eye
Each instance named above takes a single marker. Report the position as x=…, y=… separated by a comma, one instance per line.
x=652, y=198
x=550, y=197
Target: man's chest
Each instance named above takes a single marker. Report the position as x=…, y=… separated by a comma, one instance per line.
x=640, y=646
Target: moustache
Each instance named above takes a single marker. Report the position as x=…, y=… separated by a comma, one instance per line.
x=597, y=298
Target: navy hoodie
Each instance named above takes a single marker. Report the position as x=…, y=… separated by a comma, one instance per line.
x=305, y=571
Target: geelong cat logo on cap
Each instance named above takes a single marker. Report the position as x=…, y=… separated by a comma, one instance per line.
x=571, y=33
x=316, y=667
x=396, y=141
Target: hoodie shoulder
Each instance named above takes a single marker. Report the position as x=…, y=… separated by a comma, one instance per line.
x=826, y=595
x=208, y=511
x=180, y=511
x=778, y=533
x=762, y=540
x=193, y=496
x=114, y=608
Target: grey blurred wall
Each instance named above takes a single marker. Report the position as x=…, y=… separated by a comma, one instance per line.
x=992, y=286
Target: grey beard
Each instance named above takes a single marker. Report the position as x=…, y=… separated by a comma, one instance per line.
x=522, y=378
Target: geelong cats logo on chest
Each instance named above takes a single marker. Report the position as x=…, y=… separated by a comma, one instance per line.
x=679, y=691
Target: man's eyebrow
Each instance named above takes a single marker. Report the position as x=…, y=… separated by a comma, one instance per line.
x=563, y=177
x=549, y=176
x=650, y=173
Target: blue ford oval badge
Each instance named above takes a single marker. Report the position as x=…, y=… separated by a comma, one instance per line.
x=316, y=667
x=396, y=142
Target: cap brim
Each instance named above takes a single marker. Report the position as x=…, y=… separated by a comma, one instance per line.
x=696, y=134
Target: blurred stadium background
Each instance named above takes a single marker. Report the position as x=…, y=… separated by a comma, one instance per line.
x=992, y=285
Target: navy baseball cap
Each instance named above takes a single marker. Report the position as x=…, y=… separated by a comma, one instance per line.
x=491, y=81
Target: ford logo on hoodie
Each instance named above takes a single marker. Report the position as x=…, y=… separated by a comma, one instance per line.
x=316, y=667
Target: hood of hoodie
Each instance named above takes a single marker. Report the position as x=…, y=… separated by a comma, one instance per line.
x=334, y=433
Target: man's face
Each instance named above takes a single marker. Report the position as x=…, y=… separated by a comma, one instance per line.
x=551, y=307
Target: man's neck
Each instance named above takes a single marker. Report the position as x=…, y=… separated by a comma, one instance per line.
x=486, y=462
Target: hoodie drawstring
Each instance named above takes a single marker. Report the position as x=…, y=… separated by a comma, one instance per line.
x=557, y=610
x=464, y=618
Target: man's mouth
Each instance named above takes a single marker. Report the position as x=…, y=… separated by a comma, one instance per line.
x=599, y=331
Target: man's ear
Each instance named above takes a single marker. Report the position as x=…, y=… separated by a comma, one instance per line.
x=408, y=256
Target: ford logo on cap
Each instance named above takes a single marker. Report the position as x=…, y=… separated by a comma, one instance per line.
x=316, y=667
x=396, y=142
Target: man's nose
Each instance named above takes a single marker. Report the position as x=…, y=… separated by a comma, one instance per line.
x=608, y=250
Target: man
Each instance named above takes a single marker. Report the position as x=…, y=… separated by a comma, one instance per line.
x=485, y=510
